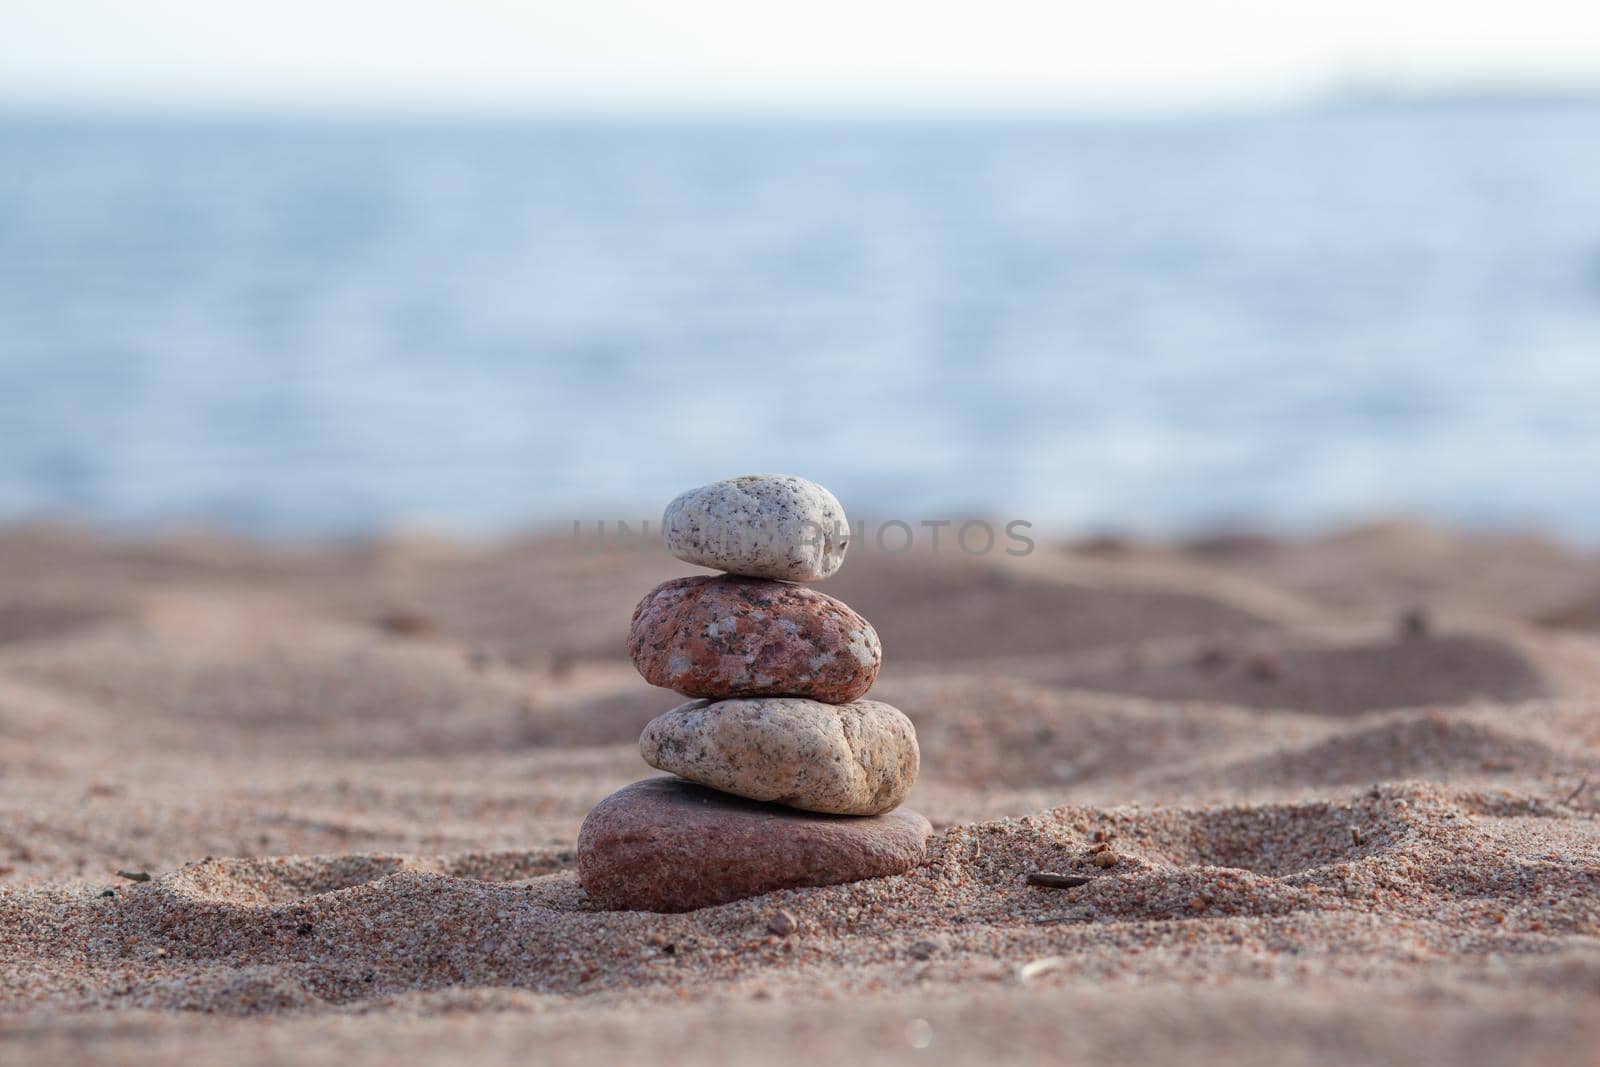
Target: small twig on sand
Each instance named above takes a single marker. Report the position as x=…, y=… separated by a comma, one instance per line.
x=1576, y=793
x=1056, y=881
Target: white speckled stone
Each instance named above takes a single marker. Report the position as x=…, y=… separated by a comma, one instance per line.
x=762, y=526
x=846, y=759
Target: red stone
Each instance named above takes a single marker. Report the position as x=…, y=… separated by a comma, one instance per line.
x=665, y=844
x=749, y=637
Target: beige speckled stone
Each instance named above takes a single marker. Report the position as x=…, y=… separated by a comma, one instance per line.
x=845, y=759
x=761, y=526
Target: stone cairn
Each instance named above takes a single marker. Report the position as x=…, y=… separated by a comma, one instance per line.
x=784, y=776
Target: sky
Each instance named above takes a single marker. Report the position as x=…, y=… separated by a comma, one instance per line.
x=737, y=54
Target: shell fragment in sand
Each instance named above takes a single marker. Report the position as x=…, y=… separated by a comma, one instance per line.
x=1035, y=968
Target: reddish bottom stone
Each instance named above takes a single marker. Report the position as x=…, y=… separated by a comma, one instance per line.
x=665, y=844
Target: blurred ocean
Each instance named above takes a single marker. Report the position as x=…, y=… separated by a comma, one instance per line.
x=322, y=328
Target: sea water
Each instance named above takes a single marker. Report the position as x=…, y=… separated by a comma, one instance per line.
x=330, y=327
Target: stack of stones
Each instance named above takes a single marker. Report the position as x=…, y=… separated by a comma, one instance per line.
x=784, y=776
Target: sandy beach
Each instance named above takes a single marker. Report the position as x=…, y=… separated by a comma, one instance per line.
x=265, y=803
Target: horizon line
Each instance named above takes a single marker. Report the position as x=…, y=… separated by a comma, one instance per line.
x=1342, y=95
